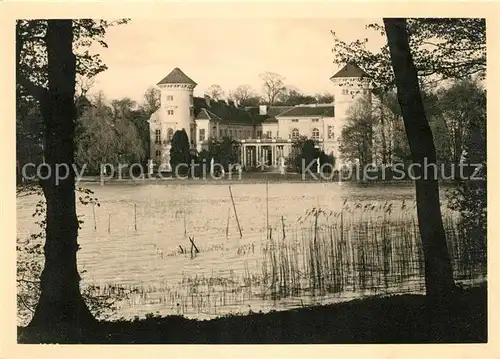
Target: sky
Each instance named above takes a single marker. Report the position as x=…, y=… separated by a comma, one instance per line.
x=227, y=52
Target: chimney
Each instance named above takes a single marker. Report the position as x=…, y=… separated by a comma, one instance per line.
x=262, y=109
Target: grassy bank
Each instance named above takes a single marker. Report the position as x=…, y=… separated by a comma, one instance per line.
x=395, y=319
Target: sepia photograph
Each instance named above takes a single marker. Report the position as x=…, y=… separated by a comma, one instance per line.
x=251, y=180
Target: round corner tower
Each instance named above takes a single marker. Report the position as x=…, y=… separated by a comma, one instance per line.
x=177, y=100
x=175, y=114
x=351, y=84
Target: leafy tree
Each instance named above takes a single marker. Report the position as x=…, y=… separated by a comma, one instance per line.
x=442, y=48
x=151, y=100
x=29, y=126
x=324, y=97
x=215, y=92
x=244, y=95
x=438, y=270
x=49, y=54
x=309, y=154
x=441, y=137
x=326, y=159
x=224, y=151
x=304, y=152
x=356, y=142
x=292, y=97
x=180, y=156
x=459, y=105
x=273, y=86
x=470, y=198
x=108, y=135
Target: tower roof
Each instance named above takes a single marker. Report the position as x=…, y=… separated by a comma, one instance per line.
x=350, y=70
x=176, y=76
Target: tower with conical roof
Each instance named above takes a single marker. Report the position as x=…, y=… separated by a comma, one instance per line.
x=175, y=113
x=350, y=85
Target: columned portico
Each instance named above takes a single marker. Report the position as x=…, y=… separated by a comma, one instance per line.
x=264, y=154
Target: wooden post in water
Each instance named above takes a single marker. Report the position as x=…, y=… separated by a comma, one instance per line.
x=341, y=226
x=227, y=225
x=235, y=213
x=191, y=239
x=93, y=211
x=185, y=229
x=135, y=217
x=283, y=224
x=315, y=226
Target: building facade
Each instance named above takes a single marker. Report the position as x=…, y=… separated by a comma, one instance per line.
x=266, y=134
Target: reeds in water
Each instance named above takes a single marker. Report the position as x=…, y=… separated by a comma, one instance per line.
x=362, y=249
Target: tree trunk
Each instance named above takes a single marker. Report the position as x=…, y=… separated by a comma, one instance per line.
x=61, y=307
x=438, y=270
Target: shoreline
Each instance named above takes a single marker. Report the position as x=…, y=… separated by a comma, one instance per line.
x=252, y=179
x=405, y=318
x=247, y=179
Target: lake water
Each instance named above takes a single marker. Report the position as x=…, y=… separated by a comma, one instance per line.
x=135, y=239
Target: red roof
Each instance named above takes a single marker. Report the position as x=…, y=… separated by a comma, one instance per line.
x=176, y=76
x=350, y=70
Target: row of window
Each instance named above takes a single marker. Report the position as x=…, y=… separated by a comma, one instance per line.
x=240, y=134
x=313, y=120
x=170, y=98
x=346, y=91
x=315, y=133
x=170, y=134
x=296, y=133
x=170, y=112
x=269, y=134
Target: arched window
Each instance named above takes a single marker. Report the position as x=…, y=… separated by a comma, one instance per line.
x=315, y=134
x=158, y=153
x=158, y=136
x=295, y=133
x=170, y=134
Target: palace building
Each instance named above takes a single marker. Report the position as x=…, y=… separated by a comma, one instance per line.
x=264, y=132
